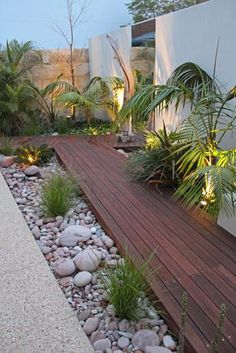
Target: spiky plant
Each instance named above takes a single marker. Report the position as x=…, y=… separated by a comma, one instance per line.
x=57, y=194
x=208, y=170
x=124, y=286
x=156, y=163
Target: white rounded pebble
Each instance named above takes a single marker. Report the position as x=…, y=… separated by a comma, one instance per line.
x=123, y=342
x=169, y=342
x=82, y=279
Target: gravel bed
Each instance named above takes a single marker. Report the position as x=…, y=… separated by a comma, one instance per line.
x=76, y=247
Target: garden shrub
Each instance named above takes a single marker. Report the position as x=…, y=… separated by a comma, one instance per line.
x=6, y=147
x=34, y=155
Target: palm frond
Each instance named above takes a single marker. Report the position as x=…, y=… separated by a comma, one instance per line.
x=220, y=183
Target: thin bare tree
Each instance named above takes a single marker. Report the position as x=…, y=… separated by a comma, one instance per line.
x=73, y=21
x=75, y=12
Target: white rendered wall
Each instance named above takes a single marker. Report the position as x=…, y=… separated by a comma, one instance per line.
x=191, y=35
x=102, y=59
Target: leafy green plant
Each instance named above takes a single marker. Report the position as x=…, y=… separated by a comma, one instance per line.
x=208, y=170
x=28, y=154
x=63, y=125
x=16, y=59
x=6, y=147
x=124, y=285
x=156, y=163
x=97, y=95
x=57, y=195
x=35, y=126
x=142, y=10
x=46, y=100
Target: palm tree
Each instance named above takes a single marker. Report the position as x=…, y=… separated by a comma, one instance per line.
x=16, y=59
x=99, y=94
x=46, y=99
x=208, y=170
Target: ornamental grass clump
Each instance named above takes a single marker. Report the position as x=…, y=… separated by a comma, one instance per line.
x=124, y=287
x=57, y=195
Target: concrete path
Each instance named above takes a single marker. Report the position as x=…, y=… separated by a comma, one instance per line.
x=34, y=314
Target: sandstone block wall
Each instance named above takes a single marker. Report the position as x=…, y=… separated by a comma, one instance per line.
x=56, y=62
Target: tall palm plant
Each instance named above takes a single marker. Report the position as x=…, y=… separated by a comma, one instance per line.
x=19, y=58
x=208, y=170
x=15, y=100
x=46, y=99
x=99, y=94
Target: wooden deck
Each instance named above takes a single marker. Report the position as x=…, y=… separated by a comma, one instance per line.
x=191, y=253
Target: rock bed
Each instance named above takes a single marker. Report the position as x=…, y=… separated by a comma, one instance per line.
x=75, y=246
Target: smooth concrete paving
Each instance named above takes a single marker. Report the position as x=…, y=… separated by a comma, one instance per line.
x=34, y=314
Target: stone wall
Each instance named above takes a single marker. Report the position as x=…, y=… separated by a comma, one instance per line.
x=56, y=62
x=143, y=59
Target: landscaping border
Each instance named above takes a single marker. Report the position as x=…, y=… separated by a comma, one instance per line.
x=30, y=320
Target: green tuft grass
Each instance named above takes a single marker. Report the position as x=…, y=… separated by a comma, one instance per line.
x=124, y=287
x=57, y=195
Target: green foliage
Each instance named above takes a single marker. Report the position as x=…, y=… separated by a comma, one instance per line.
x=15, y=97
x=35, y=126
x=95, y=127
x=57, y=195
x=206, y=169
x=156, y=163
x=145, y=9
x=63, y=125
x=46, y=100
x=124, y=285
x=34, y=155
x=6, y=146
x=98, y=95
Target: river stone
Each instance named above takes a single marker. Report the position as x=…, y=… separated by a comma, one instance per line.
x=144, y=338
x=7, y=161
x=150, y=349
x=91, y=324
x=88, y=260
x=102, y=344
x=66, y=281
x=64, y=267
x=74, y=234
x=19, y=175
x=123, y=342
x=169, y=342
x=84, y=315
x=108, y=242
x=31, y=170
x=82, y=279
